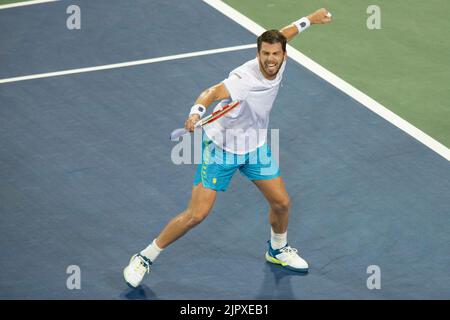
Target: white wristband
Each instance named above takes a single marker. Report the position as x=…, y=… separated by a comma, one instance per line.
x=302, y=24
x=198, y=109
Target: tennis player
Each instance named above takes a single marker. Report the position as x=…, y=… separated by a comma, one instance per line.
x=255, y=84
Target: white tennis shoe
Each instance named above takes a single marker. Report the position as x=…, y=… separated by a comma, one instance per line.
x=287, y=257
x=136, y=270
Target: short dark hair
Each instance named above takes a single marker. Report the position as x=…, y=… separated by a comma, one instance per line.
x=272, y=36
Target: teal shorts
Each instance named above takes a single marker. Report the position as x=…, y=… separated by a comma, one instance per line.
x=218, y=166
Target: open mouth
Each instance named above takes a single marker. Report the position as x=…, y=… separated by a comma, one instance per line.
x=271, y=66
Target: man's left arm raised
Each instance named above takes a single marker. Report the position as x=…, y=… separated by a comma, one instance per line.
x=320, y=16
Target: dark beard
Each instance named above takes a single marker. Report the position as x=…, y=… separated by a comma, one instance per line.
x=264, y=71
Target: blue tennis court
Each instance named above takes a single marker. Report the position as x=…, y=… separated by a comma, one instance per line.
x=86, y=176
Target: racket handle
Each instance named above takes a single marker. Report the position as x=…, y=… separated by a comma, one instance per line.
x=199, y=123
x=177, y=133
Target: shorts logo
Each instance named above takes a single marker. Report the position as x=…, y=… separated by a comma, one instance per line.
x=214, y=180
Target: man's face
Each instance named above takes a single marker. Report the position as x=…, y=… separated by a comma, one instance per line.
x=270, y=57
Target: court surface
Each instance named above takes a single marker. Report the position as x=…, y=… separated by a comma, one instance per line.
x=86, y=176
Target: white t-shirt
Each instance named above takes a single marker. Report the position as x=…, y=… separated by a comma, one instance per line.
x=244, y=129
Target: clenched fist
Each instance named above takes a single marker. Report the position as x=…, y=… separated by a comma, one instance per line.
x=320, y=16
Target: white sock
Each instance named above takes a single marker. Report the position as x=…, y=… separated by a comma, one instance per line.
x=278, y=240
x=152, y=251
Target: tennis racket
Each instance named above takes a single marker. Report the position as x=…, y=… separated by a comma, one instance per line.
x=177, y=133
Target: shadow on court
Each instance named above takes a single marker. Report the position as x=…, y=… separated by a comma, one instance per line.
x=140, y=293
x=277, y=283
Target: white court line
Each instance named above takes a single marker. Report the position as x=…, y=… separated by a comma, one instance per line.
x=127, y=64
x=337, y=82
x=25, y=3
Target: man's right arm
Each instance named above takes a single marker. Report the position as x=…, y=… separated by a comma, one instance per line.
x=217, y=92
